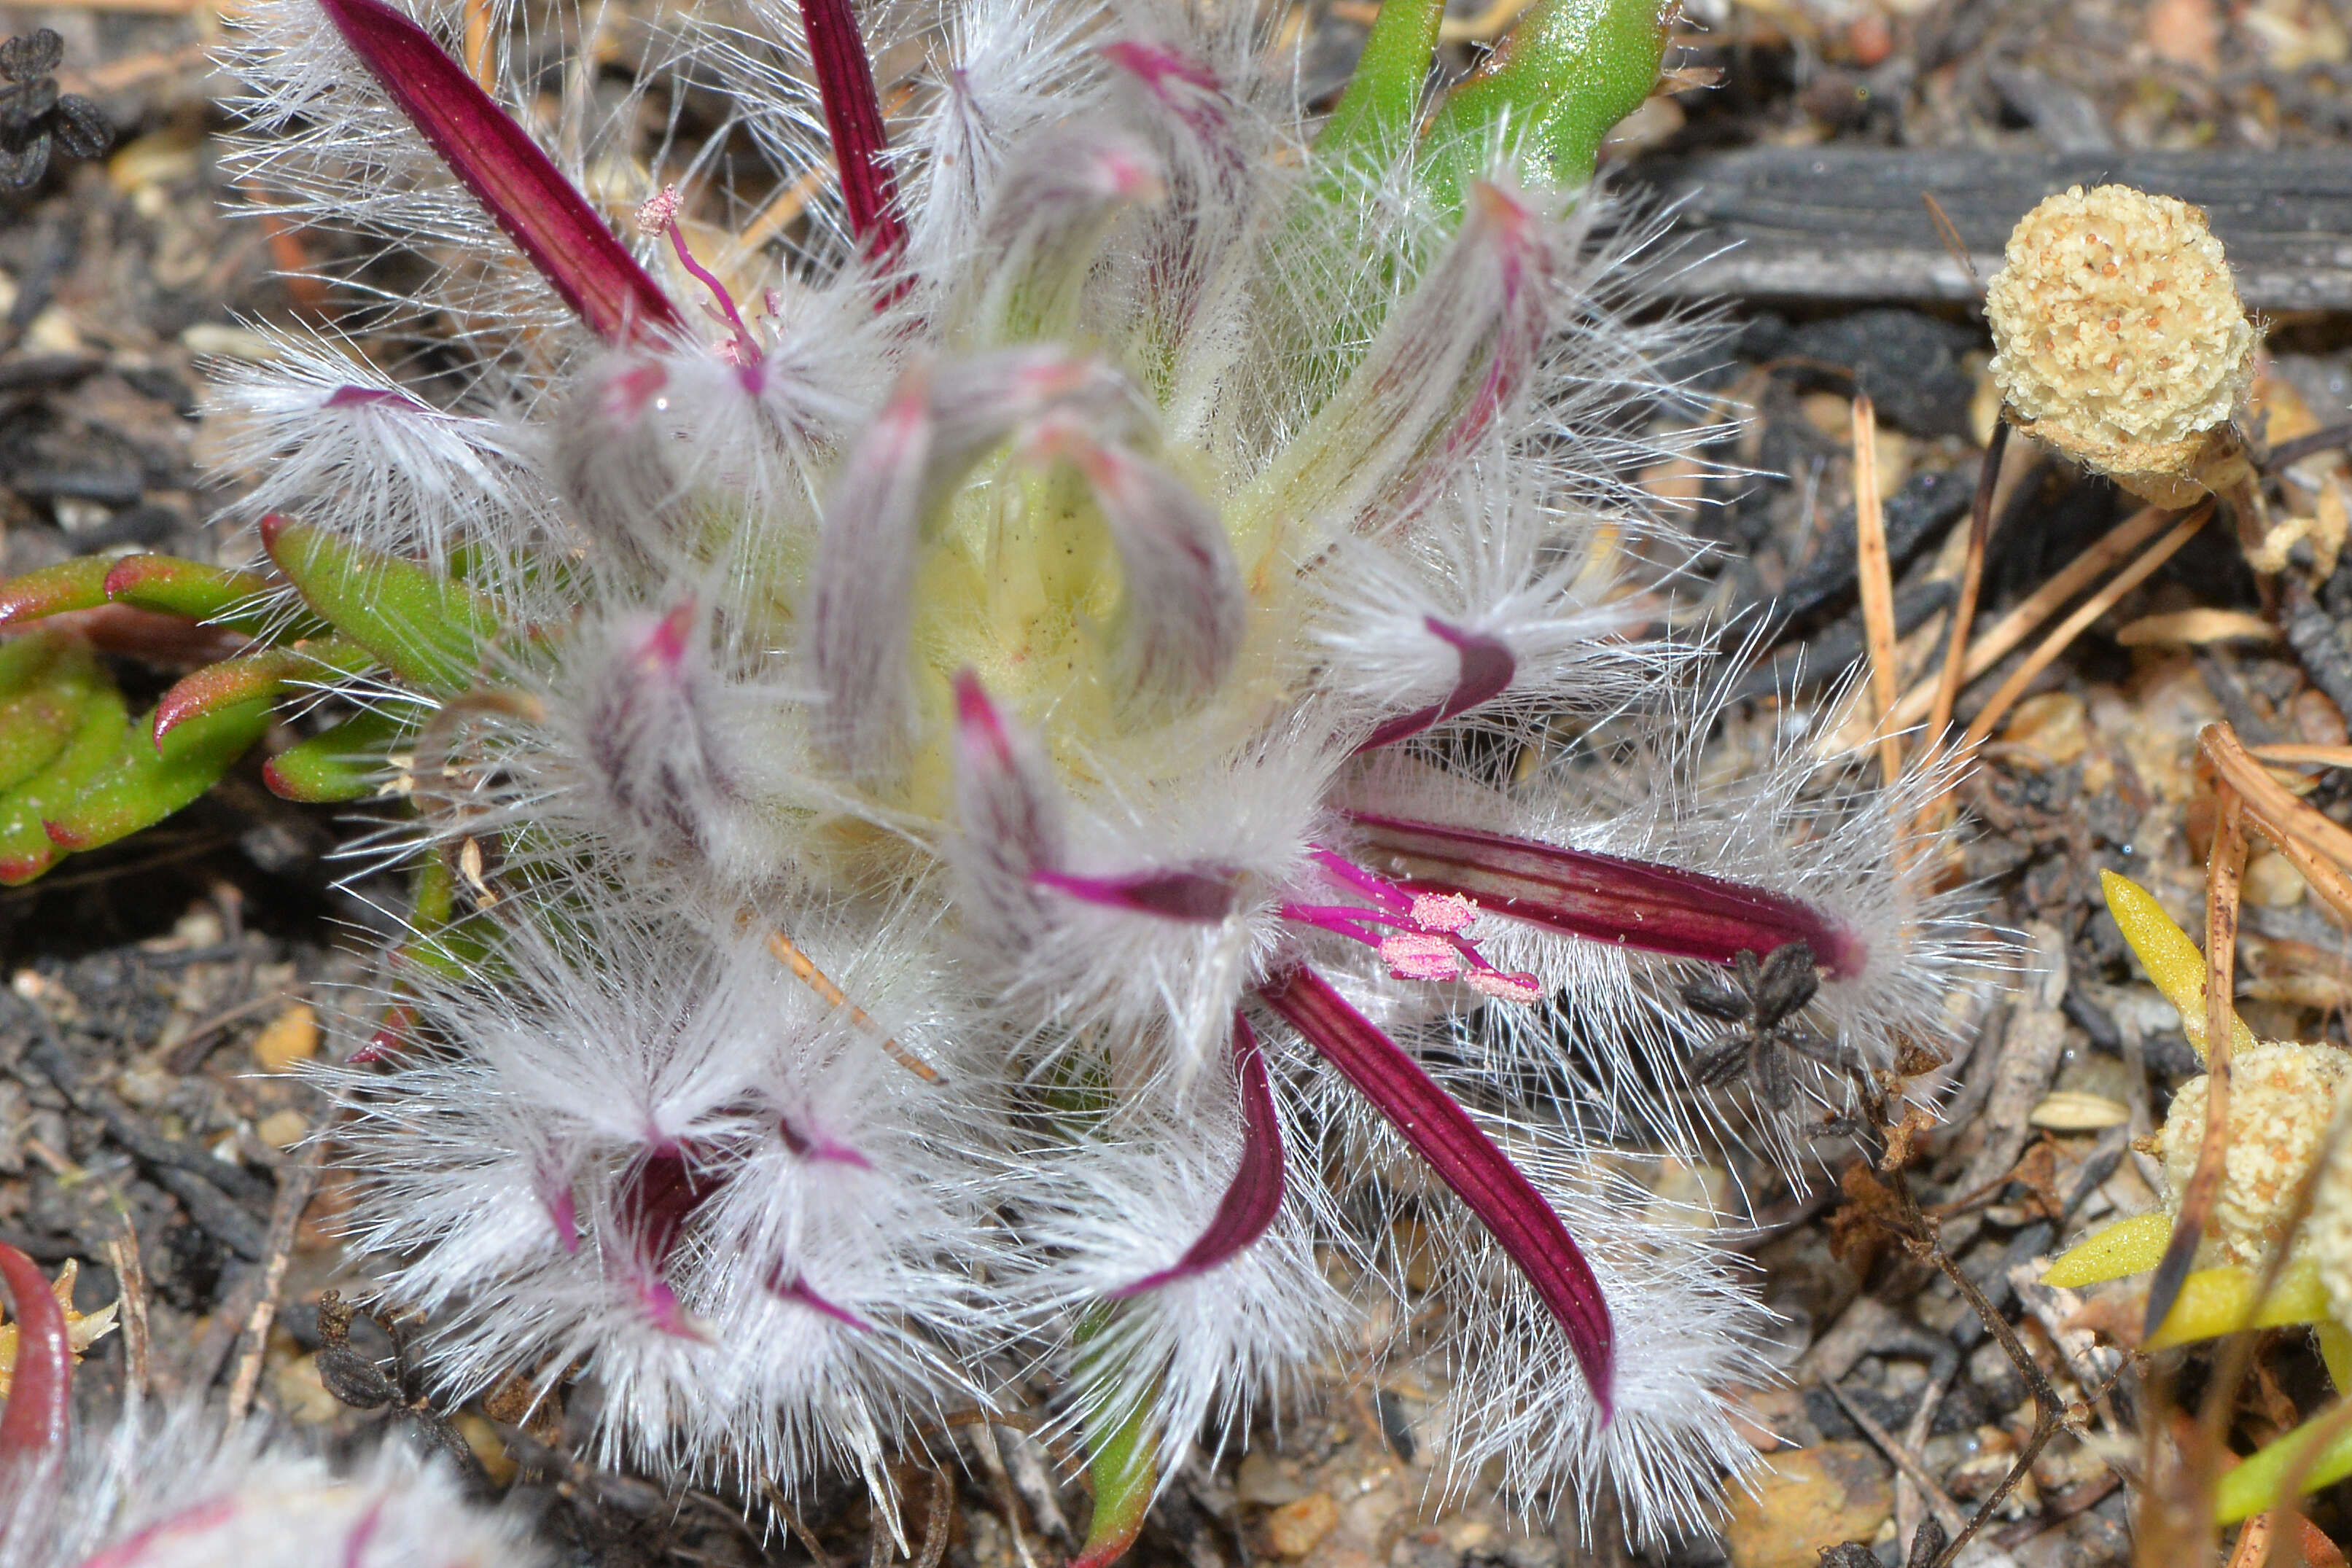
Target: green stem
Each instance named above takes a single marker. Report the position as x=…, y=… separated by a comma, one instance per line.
x=1119, y=1448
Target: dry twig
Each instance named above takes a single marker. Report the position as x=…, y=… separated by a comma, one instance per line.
x=131, y=1278
x=298, y=1180
x=1997, y=706
x=2018, y=623
x=2224, y=868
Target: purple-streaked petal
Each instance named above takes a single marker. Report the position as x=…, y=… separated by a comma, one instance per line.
x=1519, y=323
x=861, y=609
x=562, y=1212
x=1487, y=666
x=1200, y=896
x=355, y=1544
x=1175, y=79
x=1182, y=608
x=134, y=1548
x=657, y=755
x=657, y=1200
x=1254, y=1195
x=1466, y=1160
x=796, y=1288
x=369, y=397
x=853, y=117
x=1605, y=898
x=549, y=221
x=1009, y=806
x=1448, y=358
x=663, y=1308
x=38, y=1419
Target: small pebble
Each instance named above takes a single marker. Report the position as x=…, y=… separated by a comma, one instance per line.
x=301, y=1393
x=2071, y=1111
x=1805, y=1503
x=282, y=1129
x=2055, y=724
x=1294, y=1528
x=2271, y=882
x=291, y=1036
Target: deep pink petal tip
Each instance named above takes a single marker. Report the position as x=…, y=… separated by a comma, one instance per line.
x=1254, y=1195
x=1487, y=669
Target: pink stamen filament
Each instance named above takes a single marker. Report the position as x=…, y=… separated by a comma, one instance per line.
x=1420, y=937
x=661, y=212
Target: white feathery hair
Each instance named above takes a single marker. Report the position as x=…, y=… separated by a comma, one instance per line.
x=181, y=1490
x=820, y=1212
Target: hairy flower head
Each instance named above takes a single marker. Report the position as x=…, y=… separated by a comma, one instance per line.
x=995, y=771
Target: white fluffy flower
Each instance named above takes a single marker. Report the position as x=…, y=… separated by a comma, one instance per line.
x=973, y=765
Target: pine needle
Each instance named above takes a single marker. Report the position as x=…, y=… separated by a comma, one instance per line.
x=2225, y=866
x=1877, y=586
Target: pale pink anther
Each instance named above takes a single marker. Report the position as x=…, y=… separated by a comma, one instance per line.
x=1427, y=935
x=1506, y=985
x=658, y=212
x=1444, y=912
x=1421, y=956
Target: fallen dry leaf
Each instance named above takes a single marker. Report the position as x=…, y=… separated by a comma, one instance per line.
x=82, y=1329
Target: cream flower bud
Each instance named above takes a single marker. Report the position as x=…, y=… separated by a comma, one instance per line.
x=2282, y=1098
x=2118, y=336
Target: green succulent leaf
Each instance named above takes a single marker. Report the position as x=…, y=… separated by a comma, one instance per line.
x=46, y=682
x=75, y=584
x=447, y=941
x=143, y=782
x=428, y=629
x=26, y=659
x=103, y=734
x=347, y=762
x=1566, y=75
x=257, y=677
x=1383, y=98
x=2256, y=1484
x=1117, y=1431
x=195, y=590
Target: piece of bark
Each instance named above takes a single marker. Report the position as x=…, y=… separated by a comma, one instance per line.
x=1847, y=222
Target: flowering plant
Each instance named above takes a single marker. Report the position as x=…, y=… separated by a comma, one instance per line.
x=1025, y=786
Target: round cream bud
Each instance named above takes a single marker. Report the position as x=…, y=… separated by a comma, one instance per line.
x=2282, y=1098
x=2118, y=336
x=2327, y=1237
